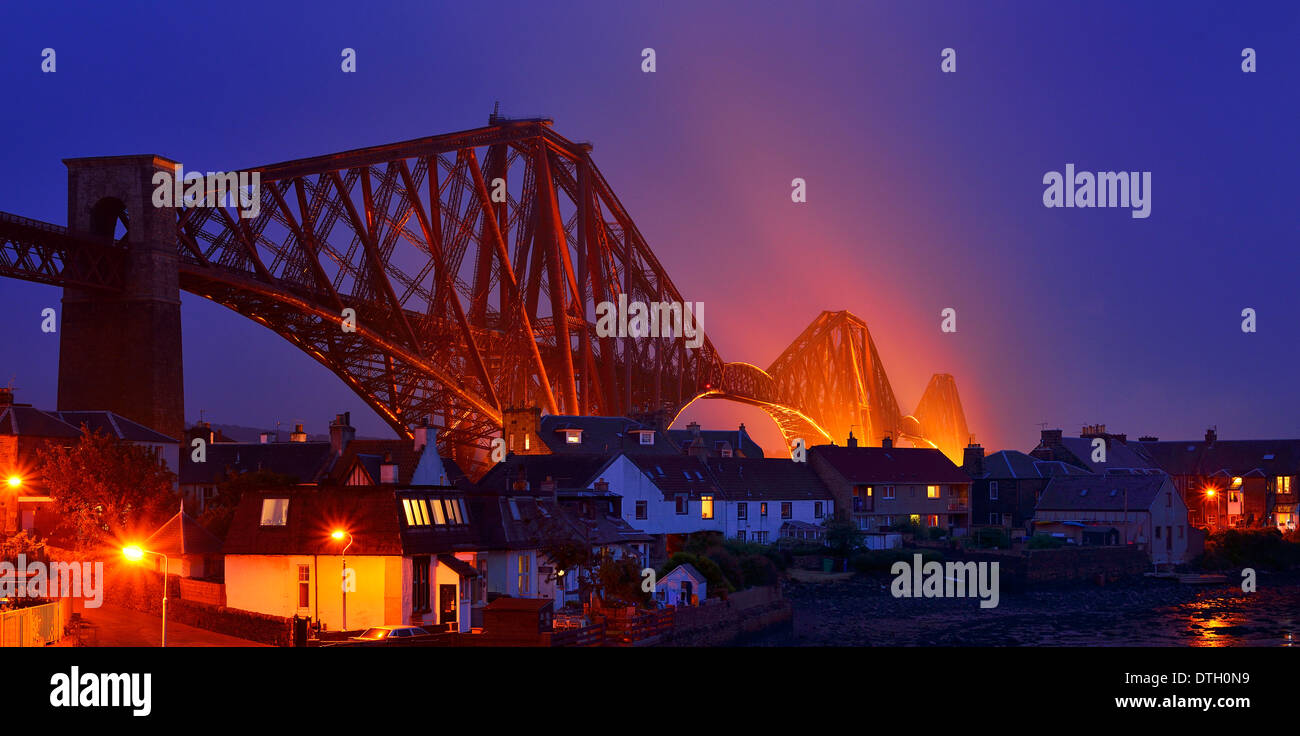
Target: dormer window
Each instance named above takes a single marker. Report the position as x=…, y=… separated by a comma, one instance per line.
x=275, y=511
x=573, y=436
x=647, y=437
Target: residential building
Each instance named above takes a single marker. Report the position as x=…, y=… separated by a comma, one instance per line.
x=1006, y=486
x=1118, y=509
x=1232, y=483
x=192, y=551
x=1095, y=450
x=410, y=555
x=883, y=487
x=711, y=443
x=682, y=586
x=527, y=432
x=764, y=499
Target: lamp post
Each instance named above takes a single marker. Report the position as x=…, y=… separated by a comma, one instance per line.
x=135, y=553
x=338, y=534
x=1209, y=494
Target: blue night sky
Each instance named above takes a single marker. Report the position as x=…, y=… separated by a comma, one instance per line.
x=924, y=189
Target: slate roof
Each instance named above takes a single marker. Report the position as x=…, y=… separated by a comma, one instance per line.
x=767, y=479
x=673, y=474
x=304, y=461
x=1232, y=457
x=31, y=422
x=182, y=535
x=370, y=454
x=373, y=514
x=1120, y=456
x=1017, y=465
x=737, y=439
x=568, y=471
x=1101, y=493
x=686, y=569
x=606, y=435
x=891, y=464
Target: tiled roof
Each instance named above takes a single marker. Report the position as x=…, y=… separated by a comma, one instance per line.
x=182, y=535
x=567, y=471
x=1234, y=457
x=891, y=464
x=304, y=461
x=772, y=479
x=373, y=514
x=674, y=474
x=1101, y=493
x=601, y=435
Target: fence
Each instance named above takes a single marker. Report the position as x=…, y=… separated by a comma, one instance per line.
x=36, y=626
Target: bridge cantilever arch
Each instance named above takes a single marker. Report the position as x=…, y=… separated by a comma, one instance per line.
x=473, y=261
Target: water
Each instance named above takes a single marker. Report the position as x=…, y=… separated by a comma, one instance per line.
x=861, y=612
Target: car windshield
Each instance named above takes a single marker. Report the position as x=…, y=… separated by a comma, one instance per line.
x=373, y=634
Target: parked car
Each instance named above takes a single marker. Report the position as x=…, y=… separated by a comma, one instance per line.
x=377, y=634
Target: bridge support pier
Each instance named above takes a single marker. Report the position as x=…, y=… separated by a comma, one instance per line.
x=122, y=351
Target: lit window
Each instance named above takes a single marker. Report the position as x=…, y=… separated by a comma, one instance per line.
x=573, y=436
x=439, y=517
x=932, y=520
x=706, y=507
x=523, y=573
x=915, y=519
x=275, y=511
x=1236, y=481
x=1284, y=484
x=526, y=442
x=932, y=491
x=762, y=509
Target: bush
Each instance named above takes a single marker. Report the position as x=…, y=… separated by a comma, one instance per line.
x=1234, y=548
x=994, y=537
x=758, y=570
x=1045, y=541
x=729, y=565
x=717, y=581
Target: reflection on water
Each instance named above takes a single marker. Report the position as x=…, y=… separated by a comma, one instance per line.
x=1216, y=619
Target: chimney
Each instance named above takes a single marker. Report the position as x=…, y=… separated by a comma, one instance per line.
x=1211, y=435
x=1051, y=438
x=972, y=460
x=695, y=429
x=1148, y=438
x=601, y=486
x=422, y=434
x=298, y=435
x=341, y=433
x=6, y=396
x=388, y=470
x=887, y=442
x=548, y=488
x=853, y=441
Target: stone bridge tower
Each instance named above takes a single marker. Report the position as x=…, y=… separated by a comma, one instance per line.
x=122, y=351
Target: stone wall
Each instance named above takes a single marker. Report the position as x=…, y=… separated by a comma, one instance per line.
x=719, y=622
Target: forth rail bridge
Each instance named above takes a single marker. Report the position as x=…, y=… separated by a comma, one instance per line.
x=464, y=306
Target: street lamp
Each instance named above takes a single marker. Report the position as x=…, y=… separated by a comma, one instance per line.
x=338, y=534
x=1209, y=495
x=135, y=553
x=14, y=481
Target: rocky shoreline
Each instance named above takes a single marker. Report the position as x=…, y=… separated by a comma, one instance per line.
x=1134, y=612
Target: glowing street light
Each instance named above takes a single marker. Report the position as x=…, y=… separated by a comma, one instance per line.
x=339, y=534
x=14, y=481
x=135, y=553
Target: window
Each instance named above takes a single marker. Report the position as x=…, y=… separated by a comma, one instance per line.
x=932, y=491
x=760, y=537
x=742, y=511
x=993, y=490
x=887, y=492
x=740, y=535
x=304, y=586
x=683, y=504
x=787, y=510
x=1284, y=484
x=762, y=509
x=706, y=507
x=1236, y=481
x=514, y=509
x=817, y=510
x=573, y=436
x=932, y=520
x=1157, y=532
x=523, y=576
x=420, y=584
x=647, y=438
x=439, y=517
x=275, y=511
x=642, y=510
x=915, y=519
x=417, y=511
x=993, y=519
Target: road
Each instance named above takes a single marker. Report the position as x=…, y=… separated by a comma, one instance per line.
x=112, y=626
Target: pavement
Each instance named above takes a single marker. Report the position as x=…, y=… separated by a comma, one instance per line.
x=111, y=626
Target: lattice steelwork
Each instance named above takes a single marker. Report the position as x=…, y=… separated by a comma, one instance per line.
x=473, y=262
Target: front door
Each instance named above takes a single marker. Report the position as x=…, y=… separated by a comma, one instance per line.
x=447, y=606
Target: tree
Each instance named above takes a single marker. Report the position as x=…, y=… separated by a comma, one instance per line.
x=102, y=487
x=843, y=536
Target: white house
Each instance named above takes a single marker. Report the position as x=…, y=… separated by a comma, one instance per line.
x=767, y=498
x=399, y=557
x=1117, y=509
